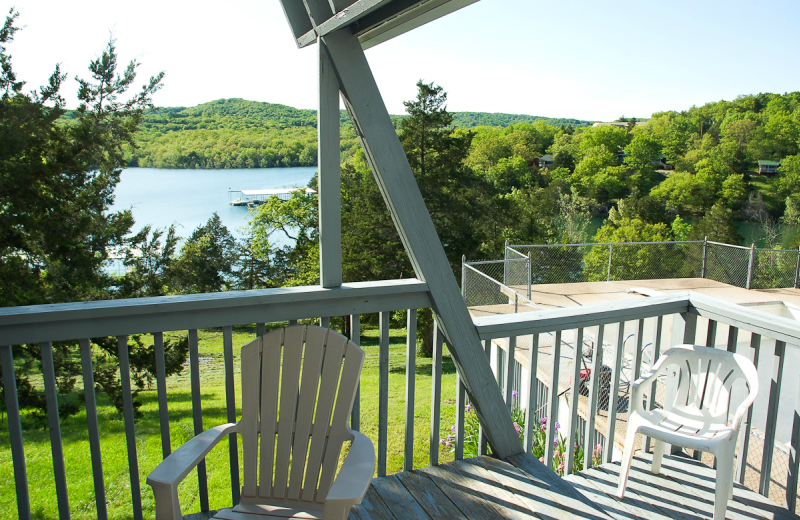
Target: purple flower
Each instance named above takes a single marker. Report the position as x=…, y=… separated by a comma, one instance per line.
x=543, y=420
x=557, y=426
x=555, y=443
x=516, y=427
x=514, y=394
x=469, y=407
x=453, y=428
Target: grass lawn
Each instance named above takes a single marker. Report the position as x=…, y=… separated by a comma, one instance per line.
x=113, y=444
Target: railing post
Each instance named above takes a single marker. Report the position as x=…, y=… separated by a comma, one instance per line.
x=530, y=274
x=610, y=249
x=797, y=271
x=15, y=433
x=464, y=276
x=505, y=264
x=794, y=463
x=705, y=258
x=751, y=266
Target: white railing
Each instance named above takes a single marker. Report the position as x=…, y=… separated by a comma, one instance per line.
x=633, y=333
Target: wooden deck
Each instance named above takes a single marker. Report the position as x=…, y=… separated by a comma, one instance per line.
x=522, y=488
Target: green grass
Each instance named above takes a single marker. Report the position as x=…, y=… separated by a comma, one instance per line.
x=113, y=443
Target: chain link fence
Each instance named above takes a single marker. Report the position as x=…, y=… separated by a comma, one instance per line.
x=524, y=266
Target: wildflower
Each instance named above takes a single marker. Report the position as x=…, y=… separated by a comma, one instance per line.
x=561, y=467
x=541, y=459
x=557, y=425
x=514, y=394
x=599, y=448
x=555, y=443
x=543, y=420
x=544, y=427
x=516, y=427
x=557, y=454
x=453, y=428
x=469, y=407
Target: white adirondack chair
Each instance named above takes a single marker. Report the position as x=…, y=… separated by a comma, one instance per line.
x=695, y=416
x=303, y=427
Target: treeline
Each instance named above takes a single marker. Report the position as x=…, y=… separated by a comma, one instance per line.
x=235, y=133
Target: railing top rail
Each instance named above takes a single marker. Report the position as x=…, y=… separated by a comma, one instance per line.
x=67, y=321
x=745, y=318
x=502, y=261
x=504, y=286
x=524, y=323
x=614, y=244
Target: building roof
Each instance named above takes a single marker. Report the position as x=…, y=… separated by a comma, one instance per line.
x=547, y=158
x=769, y=163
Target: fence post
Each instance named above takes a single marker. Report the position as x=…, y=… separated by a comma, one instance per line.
x=797, y=271
x=751, y=266
x=516, y=302
x=705, y=257
x=610, y=249
x=530, y=275
x=505, y=264
x=464, y=277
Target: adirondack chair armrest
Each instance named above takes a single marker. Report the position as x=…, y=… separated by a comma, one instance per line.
x=354, y=478
x=171, y=471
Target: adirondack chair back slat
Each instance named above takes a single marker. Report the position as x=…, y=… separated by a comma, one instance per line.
x=304, y=377
x=702, y=387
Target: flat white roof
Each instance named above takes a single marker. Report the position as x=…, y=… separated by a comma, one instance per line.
x=275, y=191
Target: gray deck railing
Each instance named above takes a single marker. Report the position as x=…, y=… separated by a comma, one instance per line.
x=652, y=325
x=46, y=324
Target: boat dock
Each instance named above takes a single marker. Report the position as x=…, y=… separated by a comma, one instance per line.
x=252, y=198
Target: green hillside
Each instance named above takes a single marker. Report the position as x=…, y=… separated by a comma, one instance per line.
x=236, y=133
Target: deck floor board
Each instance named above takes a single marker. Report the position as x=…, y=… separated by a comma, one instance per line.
x=522, y=488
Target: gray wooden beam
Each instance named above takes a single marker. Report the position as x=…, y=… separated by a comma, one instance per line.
x=404, y=201
x=329, y=175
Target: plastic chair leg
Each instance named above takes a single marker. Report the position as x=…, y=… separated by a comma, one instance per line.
x=724, y=486
x=658, y=454
x=625, y=463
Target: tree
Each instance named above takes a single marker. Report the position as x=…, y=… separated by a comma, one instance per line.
x=207, y=258
x=718, y=226
x=58, y=170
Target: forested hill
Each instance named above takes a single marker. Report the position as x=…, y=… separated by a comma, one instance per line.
x=236, y=133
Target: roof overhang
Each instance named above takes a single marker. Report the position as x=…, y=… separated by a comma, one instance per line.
x=373, y=21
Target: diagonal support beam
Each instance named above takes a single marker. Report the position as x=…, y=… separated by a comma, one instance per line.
x=413, y=222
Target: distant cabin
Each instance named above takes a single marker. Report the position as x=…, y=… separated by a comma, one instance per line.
x=545, y=161
x=620, y=124
x=768, y=167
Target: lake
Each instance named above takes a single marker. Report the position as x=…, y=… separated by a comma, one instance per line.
x=188, y=198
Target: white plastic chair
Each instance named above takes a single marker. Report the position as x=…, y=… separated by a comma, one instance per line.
x=297, y=371
x=695, y=416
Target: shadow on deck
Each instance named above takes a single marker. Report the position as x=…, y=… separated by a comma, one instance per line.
x=523, y=488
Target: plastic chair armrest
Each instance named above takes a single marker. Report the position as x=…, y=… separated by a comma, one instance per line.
x=354, y=478
x=171, y=471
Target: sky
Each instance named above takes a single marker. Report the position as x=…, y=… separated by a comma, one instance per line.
x=573, y=58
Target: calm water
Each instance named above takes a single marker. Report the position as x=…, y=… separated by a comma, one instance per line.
x=188, y=198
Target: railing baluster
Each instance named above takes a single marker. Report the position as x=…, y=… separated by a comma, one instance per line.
x=591, y=414
x=533, y=393
x=94, y=429
x=575, y=398
x=130, y=432
x=436, y=395
x=794, y=461
x=553, y=406
x=411, y=378
x=483, y=444
x=197, y=414
x=711, y=334
x=383, y=391
x=637, y=355
x=461, y=392
x=230, y=406
x=613, y=394
x=355, y=337
x=15, y=433
x=772, y=418
x=161, y=388
x=651, y=395
x=744, y=444
x=261, y=329
x=733, y=340
x=510, y=366
x=325, y=322
x=54, y=425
